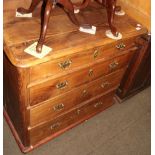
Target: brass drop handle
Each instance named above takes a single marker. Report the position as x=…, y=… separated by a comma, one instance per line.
x=90, y=72
x=58, y=107
x=96, y=53
x=55, y=125
x=62, y=85
x=120, y=46
x=98, y=104
x=113, y=65
x=65, y=64
x=105, y=84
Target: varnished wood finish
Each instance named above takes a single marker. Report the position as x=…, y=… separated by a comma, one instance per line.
x=15, y=133
x=49, y=89
x=138, y=74
x=93, y=106
x=53, y=68
x=69, y=42
x=48, y=110
x=47, y=6
x=39, y=92
x=16, y=97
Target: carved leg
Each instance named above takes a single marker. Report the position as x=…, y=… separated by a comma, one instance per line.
x=104, y=3
x=44, y=26
x=42, y=12
x=118, y=8
x=111, y=4
x=68, y=6
x=83, y=5
x=33, y=5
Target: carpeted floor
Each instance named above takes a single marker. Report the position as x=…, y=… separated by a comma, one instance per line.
x=123, y=129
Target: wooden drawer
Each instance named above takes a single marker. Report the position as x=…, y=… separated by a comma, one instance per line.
x=74, y=117
x=57, y=106
x=46, y=90
x=74, y=61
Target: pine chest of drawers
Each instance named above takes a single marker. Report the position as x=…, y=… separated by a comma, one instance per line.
x=45, y=97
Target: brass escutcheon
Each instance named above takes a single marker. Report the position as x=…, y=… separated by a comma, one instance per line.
x=62, y=85
x=65, y=64
x=98, y=104
x=120, y=46
x=105, y=84
x=90, y=72
x=84, y=92
x=96, y=53
x=78, y=111
x=58, y=107
x=113, y=65
x=55, y=125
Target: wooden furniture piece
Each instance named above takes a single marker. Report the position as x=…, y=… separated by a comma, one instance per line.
x=47, y=6
x=138, y=75
x=45, y=97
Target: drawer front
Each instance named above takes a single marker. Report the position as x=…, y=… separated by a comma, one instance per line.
x=57, y=106
x=54, y=87
x=68, y=63
x=76, y=116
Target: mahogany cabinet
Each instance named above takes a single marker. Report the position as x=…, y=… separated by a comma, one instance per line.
x=45, y=97
x=138, y=75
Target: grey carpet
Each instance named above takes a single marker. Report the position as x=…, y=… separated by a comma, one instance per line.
x=123, y=129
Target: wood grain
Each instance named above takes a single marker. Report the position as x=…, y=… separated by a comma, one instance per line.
x=52, y=68
x=32, y=86
x=43, y=131
x=64, y=38
x=47, y=90
x=16, y=98
x=46, y=111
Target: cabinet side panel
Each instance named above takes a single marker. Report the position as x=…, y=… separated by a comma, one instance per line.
x=138, y=74
x=16, y=98
x=143, y=75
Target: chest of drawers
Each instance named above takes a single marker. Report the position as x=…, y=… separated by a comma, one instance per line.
x=45, y=97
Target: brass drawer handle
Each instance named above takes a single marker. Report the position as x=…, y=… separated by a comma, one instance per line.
x=113, y=65
x=120, y=46
x=96, y=53
x=98, y=104
x=62, y=85
x=105, y=84
x=55, y=125
x=65, y=64
x=90, y=72
x=58, y=107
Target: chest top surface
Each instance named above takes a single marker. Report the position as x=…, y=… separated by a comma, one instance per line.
x=63, y=36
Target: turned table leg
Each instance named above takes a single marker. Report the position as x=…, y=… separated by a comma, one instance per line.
x=33, y=5
x=111, y=5
x=68, y=6
x=118, y=8
x=45, y=19
x=44, y=26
